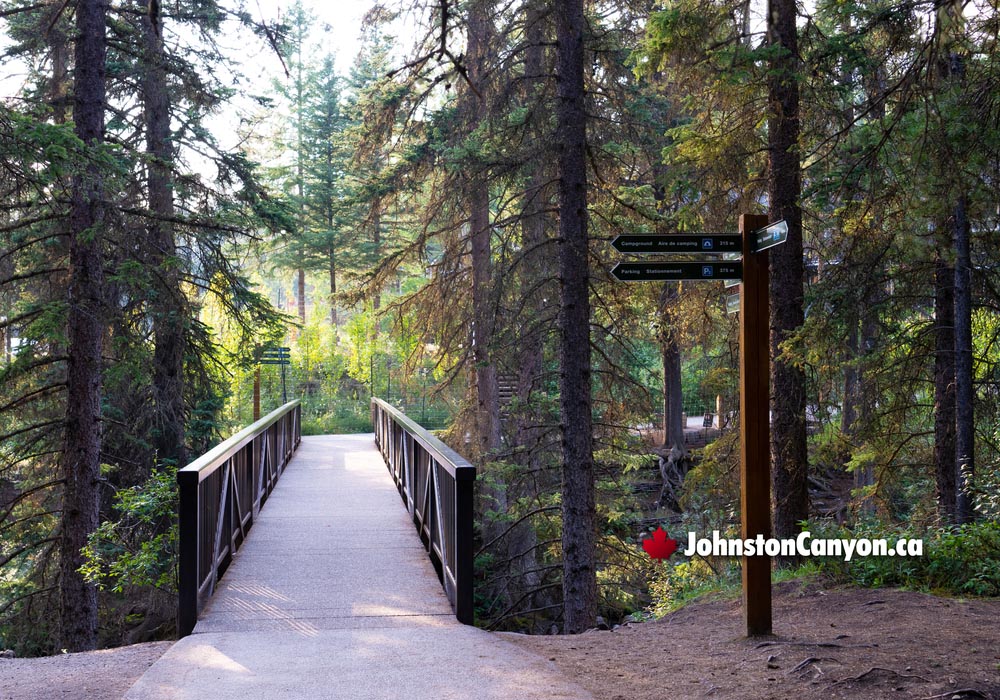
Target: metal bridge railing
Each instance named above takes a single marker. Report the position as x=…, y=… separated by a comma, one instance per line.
x=436, y=485
x=221, y=493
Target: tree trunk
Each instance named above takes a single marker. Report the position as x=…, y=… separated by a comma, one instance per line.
x=530, y=345
x=578, y=506
x=487, y=393
x=81, y=457
x=789, y=458
x=857, y=408
x=300, y=292
x=849, y=412
x=944, y=389
x=965, y=431
x=534, y=273
x=673, y=393
x=334, y=322
x=377, y=241
x=56, y=39
x=167, y=307
x=300, y=169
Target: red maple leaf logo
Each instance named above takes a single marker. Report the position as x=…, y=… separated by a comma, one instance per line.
x=659, y=546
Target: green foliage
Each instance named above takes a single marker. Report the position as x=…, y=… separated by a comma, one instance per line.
x=343, y=417
x=961, y=560
x=139, y=548
x=677, y=582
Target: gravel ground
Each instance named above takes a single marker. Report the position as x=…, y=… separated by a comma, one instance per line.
x=830, y=643
x=91, y=675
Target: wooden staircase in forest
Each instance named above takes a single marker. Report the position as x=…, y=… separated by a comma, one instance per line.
x=506, y=391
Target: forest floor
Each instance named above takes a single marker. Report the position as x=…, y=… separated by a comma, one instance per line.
x=831, y=643
x=91, y=675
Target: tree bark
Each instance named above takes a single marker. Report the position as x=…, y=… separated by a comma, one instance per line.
x=789, y=458
x=81, y=457
x=300, y=156
x=377, y=241
x=56, y=38
x=167, y=305
x=300, y=292
x=533, y=272
x=578, y=501
x=944, y=388
x=673, y=393
x=334, y=322
x=965, y=426
x=487, y=392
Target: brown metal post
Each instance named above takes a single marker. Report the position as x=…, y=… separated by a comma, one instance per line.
x=465, y=550
x=188, y=541
x=755, y=428
x=256, y=394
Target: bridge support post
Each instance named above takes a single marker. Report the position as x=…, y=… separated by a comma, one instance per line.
x=464, y=549
x=187, y=555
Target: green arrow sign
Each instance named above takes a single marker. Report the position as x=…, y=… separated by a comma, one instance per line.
x=678, y=243
x=648, y=272
x=775, y=234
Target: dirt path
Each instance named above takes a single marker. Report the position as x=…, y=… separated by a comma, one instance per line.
x=92, y=675
x=838, y=643
x=863, y=644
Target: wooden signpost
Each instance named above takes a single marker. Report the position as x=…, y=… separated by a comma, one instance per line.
x=755, y=426
x=751, y=273
x=270, y=356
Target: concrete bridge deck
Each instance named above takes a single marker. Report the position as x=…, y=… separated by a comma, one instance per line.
x=333, y=597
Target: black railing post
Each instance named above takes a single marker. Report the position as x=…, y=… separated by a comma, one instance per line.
x=464, y=549
x=188, y=554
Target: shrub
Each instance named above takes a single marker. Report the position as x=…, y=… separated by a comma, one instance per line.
x=962, y=560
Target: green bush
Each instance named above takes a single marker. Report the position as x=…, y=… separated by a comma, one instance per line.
x=139, y=549
x=676, y=583
x=962, y=560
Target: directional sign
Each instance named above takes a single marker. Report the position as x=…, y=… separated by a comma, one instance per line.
x=653, y=271
x=732, y=283
x=679, y=243
x=773, y=235
x=273, y=361
x=733, y=304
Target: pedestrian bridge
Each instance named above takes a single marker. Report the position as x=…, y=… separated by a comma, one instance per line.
x=334, y=566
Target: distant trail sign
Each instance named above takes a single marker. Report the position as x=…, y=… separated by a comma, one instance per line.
x=733, y=304
x=773, y=235
x=679, y=243
x=666, y=271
